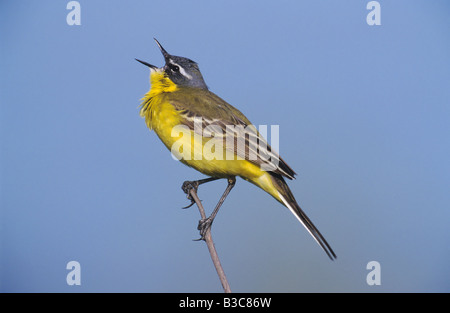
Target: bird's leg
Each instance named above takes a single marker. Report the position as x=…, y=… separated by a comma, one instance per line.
x=189, y=185
x=205, y=224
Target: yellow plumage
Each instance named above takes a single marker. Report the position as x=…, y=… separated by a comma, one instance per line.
x=178, y=100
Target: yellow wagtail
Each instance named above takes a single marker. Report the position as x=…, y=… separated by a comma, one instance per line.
x=179, y=100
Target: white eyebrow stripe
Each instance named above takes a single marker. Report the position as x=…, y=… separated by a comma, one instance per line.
x=182, y=71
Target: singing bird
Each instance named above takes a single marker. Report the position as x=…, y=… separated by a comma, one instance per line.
x=179, y=100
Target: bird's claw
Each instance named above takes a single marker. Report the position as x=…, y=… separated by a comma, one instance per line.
x=189, y=205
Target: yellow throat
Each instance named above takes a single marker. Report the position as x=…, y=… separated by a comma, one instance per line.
x=160, y=83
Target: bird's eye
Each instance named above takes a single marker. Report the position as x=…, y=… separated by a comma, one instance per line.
x=175, y=68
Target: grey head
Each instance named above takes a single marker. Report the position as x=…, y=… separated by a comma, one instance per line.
x=182, y=71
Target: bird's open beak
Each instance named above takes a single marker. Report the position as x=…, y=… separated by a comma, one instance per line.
x=164, y=53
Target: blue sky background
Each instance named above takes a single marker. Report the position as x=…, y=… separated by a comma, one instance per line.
x=364, y=119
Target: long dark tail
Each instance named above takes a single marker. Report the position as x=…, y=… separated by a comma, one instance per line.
x=287, y=198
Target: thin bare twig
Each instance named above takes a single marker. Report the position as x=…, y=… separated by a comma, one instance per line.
x=210, y=244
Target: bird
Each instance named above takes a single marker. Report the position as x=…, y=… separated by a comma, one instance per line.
x=210, y=135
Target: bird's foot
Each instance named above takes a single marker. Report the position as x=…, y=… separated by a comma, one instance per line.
x=203, y=226
x=187, y=187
